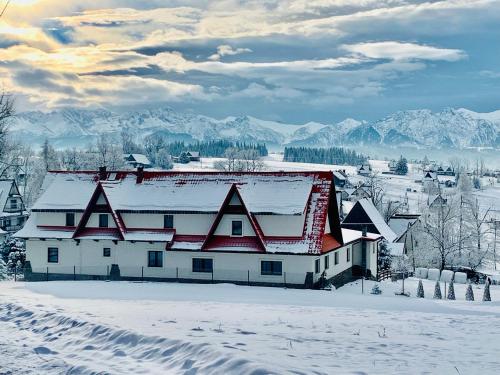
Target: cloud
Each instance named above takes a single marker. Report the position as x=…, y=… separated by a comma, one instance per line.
x=226, y=50
x=404, y=51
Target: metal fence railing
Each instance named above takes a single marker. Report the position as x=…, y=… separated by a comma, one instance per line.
x=238, y=276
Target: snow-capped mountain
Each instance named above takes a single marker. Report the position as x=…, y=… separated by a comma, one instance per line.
x=456, y=128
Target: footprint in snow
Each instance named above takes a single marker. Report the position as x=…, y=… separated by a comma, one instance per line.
x=242, y=332
x=42, y=350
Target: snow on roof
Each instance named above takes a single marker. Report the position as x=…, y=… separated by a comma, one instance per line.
x=282, y=193
x=30, y=230
x=399, y=225
x=66, y=191
x=377, y=219
x=351, y=235
x=285, y=195
x=5, y=187
x=140, y=158
x=396, y=248
x=149, y=236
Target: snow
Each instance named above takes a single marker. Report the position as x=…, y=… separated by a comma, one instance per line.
x=433, y=274
x=460, y=277
x=149, y=236
x=446, y=275
x=30, y=229
x=351, y=235
x=170, y=328
x=421, y=273
x=286, y=195
x=56, y=187
x=377, y=219
x=396, y=248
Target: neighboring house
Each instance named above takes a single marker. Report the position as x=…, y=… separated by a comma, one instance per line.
x=364, y=169
x=448, y=181
x=430, y=182
x=340, y=179
x=436, y=201
x=266, y=228
x=404, y=225
x=13, y=214
x=393, y=166
x=445, y=171
x=193, y=155
x=137, y=160
x=361, y=192
x=364, y=216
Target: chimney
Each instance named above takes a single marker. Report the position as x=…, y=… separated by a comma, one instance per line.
x=363, y=233
x=140, y=174
x=102, y=173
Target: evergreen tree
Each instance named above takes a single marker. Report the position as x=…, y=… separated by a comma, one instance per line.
x=384, y=257
x=437, y=291
x=402, y=166
x=451, y=291
x=3, y=270
x=376, y=289
x=486, y=293
x=333, y=155
x=184, y=158
x=469, y=294
x=420, y=289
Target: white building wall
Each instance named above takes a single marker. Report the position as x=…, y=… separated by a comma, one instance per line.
x=132, y=258
x=187, y=224
x=54, y=218
x=93, y=221
x=225, y=226
x=281, y=225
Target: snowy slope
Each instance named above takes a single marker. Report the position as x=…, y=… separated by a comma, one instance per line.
x=169, y=328
x=455, y=128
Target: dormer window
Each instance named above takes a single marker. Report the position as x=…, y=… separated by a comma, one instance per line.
x=13, y=204
x=168, y=221
x=70, y=219
x=103, y=220
x=237, y=228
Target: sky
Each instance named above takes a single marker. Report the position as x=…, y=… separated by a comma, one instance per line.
x=286, y=60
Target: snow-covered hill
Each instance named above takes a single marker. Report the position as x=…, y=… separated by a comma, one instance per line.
x=454, y=128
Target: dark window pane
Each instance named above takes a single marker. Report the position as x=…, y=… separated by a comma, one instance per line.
x=52, y=255
x=70, y=219
x=106, y=252
x=336, y=258
x=327, y=262
x=168, y=221
x=268, y=267
x=237, y=229
x=317, y=266
x=155, y=259
x=103, y=220
x=202, y=265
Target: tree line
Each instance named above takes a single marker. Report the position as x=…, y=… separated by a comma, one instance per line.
x=332, y=155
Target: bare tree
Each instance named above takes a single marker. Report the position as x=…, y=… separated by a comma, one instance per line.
x=376, y=190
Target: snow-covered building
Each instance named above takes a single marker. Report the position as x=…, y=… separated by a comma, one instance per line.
x=261, y=228
x=364, y=169
x=13, y=213
x=137, y=160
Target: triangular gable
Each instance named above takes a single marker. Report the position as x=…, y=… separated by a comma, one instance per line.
x=98, y=192
x=233, y=191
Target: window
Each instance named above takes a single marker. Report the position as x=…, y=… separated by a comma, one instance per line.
x=106, y=252
x=336, y=258
x=237, y=228
x=327, y=262
x=168, y=221
x=103, y=220
x=348, y=254
x=53, y=255
x=203, y=265
x=155, y=259
x=70, y=219
x=20, y=221
x=317, y=266
x=268, y=267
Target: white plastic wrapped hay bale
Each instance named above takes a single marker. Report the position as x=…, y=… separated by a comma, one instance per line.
x=447, y=276
x=460, y=277
x=421, y=273
x=434, y=274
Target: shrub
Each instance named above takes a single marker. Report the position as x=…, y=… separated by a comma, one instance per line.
x=451, y=291
x=469, y=294
x=420, y=289
x=437, y=291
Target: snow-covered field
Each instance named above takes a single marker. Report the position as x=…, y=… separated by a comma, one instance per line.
x=159, y=328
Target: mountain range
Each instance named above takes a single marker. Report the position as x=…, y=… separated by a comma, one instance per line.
x=450, y=128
